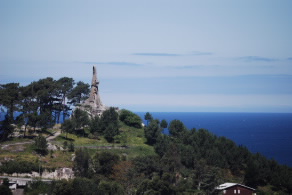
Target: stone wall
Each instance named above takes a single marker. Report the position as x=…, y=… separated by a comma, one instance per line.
x=61, y=173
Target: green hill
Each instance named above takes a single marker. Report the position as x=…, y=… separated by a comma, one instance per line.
x=141, y=160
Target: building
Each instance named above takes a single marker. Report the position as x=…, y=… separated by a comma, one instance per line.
x=235, y=188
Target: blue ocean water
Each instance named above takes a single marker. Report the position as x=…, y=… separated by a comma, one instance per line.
x=267, y=133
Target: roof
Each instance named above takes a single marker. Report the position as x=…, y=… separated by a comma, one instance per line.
x=228, y=185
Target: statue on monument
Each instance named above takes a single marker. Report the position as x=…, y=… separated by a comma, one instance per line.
x=93, y=104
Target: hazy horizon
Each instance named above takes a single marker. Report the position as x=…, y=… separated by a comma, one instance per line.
x=167, y=56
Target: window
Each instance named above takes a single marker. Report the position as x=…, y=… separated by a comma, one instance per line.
x=224, y=191
x=238, y=191
x=234, y=191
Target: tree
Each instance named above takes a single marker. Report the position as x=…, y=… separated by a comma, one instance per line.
x=9, y=97
x=41, y=145
x=206, y=177
x=81, y=163
x=37, y=187
x=148, y=117
x=163, y=124
x=79, y=92
x=45, y=120
x=65, y=86
x=84, y=186
x=130, y=118
x=122, y=174
x=6, y=128
x=147, y=165
x=45, y=91
x=152, y=131
x=176, y=128
x=103, y=163
x=162, y=144
x=94, y=125
x=29, y=107
x=172, y=159
x=64, y=187
x=79, y=120
x=68, y=126
x=71, y=147
x=5, y=190
x=110, y=132
x=110, y=187
x=109, y=124
x=33, y=119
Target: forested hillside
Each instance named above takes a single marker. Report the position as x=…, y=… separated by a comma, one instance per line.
x=115, y=154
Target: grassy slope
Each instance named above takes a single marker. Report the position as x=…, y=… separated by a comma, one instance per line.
x=135, y=142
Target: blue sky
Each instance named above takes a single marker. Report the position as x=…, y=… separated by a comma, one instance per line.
x=156, y=55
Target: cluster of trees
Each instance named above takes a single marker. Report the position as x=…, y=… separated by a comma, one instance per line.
x=15, y=166
x=41, y=102
x=76, y=186
x=195, y=150
x=94, y=176
x=186, y=162
x=109, y=173
x=106, y=125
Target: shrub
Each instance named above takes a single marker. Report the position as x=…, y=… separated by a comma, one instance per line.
x=130, y=118
x=41, y=145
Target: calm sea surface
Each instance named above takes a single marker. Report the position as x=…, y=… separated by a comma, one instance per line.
x=267, y=133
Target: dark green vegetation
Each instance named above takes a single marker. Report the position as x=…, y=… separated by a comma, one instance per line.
x=208, y=159
x=40, y=145
x=41, y=102
x=4, y=188
x=10, y=167
x=115, y=155
x=130, y=119
x=107, y=125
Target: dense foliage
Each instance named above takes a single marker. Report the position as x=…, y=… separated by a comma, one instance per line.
x=185, y=162
x=40, y=145
x=130, y=118
x=15, y=166
x=197, y=149
x=106, y=125
x=41, y=102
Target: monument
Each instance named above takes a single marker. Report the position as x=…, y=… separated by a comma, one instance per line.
x=93, y=104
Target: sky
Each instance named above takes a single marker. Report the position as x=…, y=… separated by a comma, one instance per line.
x=156, y=55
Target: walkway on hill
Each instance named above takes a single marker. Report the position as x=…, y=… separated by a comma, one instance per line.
x=49, y=138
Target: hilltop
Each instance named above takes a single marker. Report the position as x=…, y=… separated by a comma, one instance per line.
x=142, y=159
x=111, y=152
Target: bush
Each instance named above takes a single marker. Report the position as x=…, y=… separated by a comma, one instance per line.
x=14, y=166
x=71, y=147
x=110, y=132
x=41, y=145
x=130, y=118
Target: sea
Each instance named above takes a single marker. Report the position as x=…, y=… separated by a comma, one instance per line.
x=267, y=133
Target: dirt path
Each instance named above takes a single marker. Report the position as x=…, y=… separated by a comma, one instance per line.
x=56, y=134
x=49, y=138
x=3, y=146
x=103, y=147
